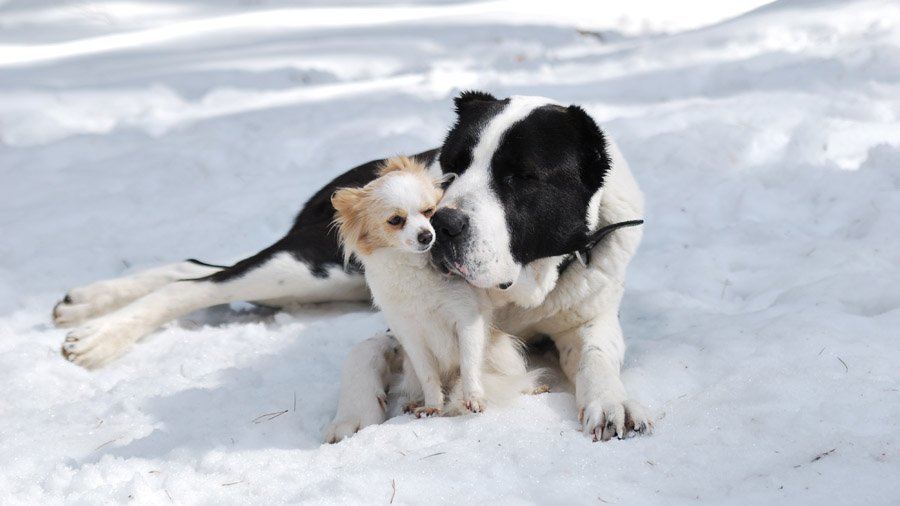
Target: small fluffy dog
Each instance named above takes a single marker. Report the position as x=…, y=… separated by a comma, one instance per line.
x=442, y=323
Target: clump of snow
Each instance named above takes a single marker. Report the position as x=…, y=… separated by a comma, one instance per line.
x=761, y=311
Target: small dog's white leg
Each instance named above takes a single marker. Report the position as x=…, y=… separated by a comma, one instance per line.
x=424, y=364
x=102, y=297
x=472, y=341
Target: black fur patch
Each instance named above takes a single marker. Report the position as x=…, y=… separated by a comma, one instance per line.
x=319, y=271
x=312, y=240
x=469, y=96
x=474, y=110
x=545, y=171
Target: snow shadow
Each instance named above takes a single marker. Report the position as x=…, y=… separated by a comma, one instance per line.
x=278, y=400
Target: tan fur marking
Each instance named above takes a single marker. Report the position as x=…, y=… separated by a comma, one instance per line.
x=359, y=215
x=400, y=163
x=358, y=234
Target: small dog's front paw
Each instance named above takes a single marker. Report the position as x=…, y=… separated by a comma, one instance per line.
x=411, y=406
x=340, y=430
x=423, y=411
x=474, y=403
x=603, y=420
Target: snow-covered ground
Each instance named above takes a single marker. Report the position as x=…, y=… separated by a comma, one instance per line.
x=761, y=314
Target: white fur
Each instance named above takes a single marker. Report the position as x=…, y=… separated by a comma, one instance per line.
x=593, y=213
x=535, y=281
x=489, y=261
x=579, y=310
x=443, y=325
x=281, y=279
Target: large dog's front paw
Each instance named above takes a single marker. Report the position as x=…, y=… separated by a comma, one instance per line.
x=410, y=406
x=346, y=424
x=96, y=343
x=339, y=430
x=603, y=420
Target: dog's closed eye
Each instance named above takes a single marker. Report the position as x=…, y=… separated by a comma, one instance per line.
x=396, y=220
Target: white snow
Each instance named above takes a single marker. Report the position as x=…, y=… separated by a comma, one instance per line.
x=761, y=312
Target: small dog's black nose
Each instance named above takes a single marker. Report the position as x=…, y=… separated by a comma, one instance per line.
x=425, y=237
x=449, y=222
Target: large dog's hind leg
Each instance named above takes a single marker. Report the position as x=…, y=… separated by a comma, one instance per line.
x=364, y=381
x=275, y=276
x=102, y=297
x=591, y=356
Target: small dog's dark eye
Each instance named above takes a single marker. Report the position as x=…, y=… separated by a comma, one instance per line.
x=396, y=220
x=428, y=212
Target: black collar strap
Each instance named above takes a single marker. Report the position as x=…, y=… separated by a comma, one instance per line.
x=583, y=254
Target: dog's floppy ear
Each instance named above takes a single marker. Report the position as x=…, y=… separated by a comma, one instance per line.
x=596, y=162
x=348, y=219
x=470, y=97
x=345, y=199
x=444, y=181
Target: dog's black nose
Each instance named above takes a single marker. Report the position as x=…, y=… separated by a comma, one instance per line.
x=449, y=222
x=425, y=237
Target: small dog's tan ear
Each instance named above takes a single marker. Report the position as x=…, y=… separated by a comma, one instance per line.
x=347, y=203
x=344, y=199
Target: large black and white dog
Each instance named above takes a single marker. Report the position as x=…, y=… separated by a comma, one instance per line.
x=535, y=179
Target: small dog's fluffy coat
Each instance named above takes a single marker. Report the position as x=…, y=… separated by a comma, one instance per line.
x=443, y=323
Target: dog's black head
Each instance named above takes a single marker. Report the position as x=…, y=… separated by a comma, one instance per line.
x=530, y=172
